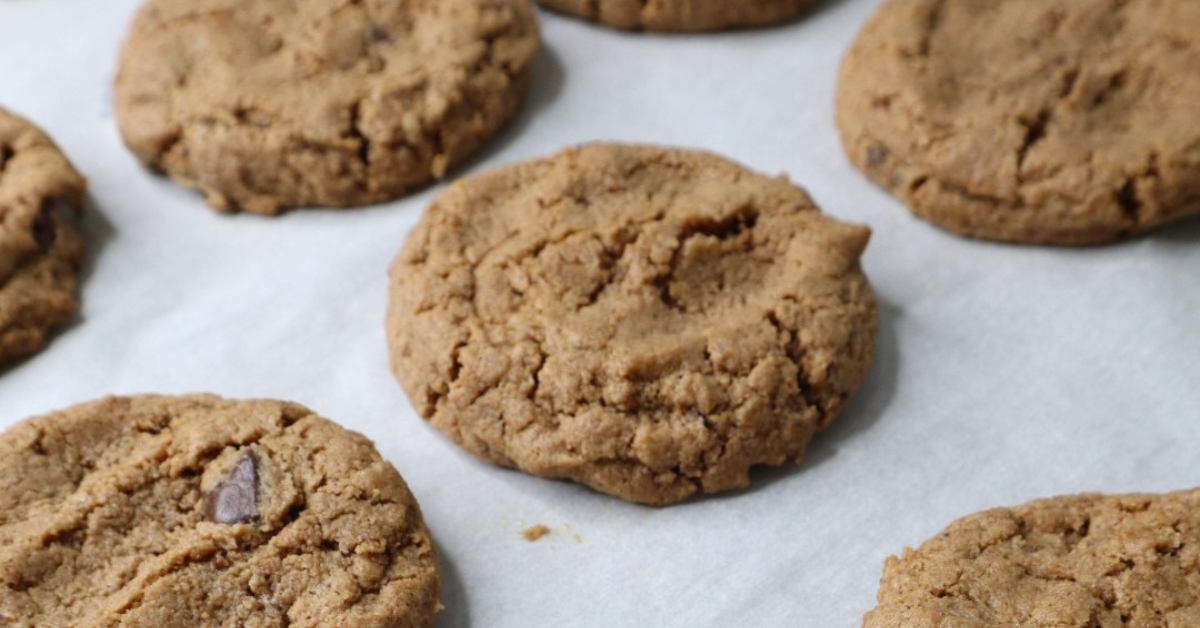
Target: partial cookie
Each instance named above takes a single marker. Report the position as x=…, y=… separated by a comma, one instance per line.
x=1087, y=561
x=681, y=15
x=647, y=321
x=41, y=196
x=265, y=105
x=1039, y=121
x=197, y=512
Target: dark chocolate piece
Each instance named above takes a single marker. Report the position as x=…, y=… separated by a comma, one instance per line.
x=235, y=498
x=44, y=229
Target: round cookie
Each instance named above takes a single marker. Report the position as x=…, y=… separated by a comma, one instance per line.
x=681, y=15
x=647, y=321
x=265, y=105
x=1038, y=121
x=41, y=250
x=1087, y=561
x=197, y=512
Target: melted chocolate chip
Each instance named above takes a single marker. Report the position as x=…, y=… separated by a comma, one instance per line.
x=44, y=229
x=235, y=498
x=380, y=34
x=876, y=155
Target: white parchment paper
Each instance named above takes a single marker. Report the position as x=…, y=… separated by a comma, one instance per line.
x=1002, y=373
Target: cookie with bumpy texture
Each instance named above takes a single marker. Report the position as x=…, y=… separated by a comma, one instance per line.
x=651, y=322
x=1038, y=121
x=681, y=15
x=265, y=105
x=1086, y=561
x=41, y=250
x=198, y=512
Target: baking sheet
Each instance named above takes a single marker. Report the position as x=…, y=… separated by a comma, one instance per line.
x=1002, y=373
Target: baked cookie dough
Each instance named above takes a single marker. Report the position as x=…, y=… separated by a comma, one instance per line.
x=265, y=105
x=197, y=512
x=1087, y=561
x=647, y=321
x=681, y=15
x=1038, y=121
x=41, y=250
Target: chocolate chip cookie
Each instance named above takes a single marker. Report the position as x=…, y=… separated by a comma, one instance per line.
x=1087, y=561
x=681, y=15
x=651, y=322
x=265, y=105
x=41, y=250
x=197, y=512
x=1038, y=121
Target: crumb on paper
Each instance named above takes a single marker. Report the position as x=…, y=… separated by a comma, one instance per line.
x=533, y=533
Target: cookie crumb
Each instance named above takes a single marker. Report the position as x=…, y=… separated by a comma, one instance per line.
x=534, y=533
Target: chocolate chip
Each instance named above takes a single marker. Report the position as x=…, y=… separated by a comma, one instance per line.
x=1053, y=20
x=876, y=155
x=379, y=34
x=235, y=498
x=44, y=229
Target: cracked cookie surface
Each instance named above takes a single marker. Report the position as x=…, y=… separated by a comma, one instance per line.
x=650, y=322
x=1048, y=122
x=191, y=512
x=40, y=248
x=265, y=105
x=681, y=15
x=1086, y=561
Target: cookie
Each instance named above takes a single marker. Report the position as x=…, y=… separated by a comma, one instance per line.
x=197, y=512
x=647, y=321
x=1067, y=122
x=1087, y=561
x=265, y=105
x=41, y=250
x=681, y=15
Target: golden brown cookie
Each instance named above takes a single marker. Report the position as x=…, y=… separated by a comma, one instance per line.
x=265, y=105
x=650, y=322
x=197, y=512
x=1038, y=121
x=681, y=15
x=41, y=250
x=1086, y=561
